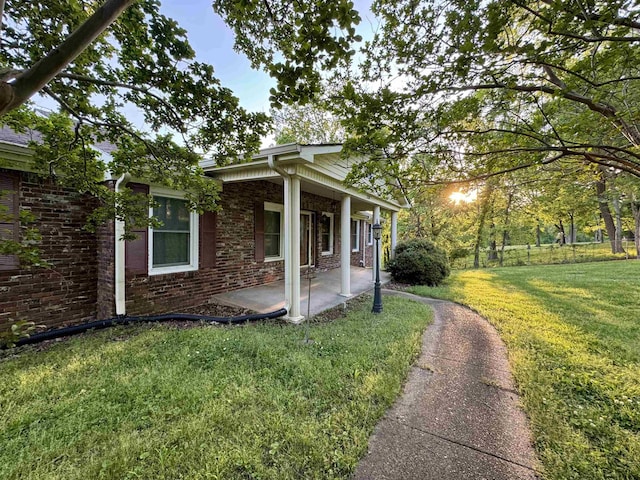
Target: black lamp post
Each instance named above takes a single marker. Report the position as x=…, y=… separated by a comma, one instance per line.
x=377, y=295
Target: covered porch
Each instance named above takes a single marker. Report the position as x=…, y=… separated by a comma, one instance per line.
x=325, y=292
x=287, y=231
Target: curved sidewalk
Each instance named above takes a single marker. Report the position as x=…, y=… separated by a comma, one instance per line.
x=459, y=415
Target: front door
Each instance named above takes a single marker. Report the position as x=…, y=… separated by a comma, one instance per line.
x=307, y=250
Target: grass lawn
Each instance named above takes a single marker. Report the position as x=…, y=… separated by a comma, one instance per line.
x=573, y=336
x=208, y=402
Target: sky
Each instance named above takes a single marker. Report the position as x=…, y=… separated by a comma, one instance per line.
x=213, y=41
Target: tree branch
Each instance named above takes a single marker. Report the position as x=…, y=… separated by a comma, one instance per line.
x=98, y=123
x=44, y=70
x=604, y=109
x=619, y=21
x=179, y=124
x=2, y=3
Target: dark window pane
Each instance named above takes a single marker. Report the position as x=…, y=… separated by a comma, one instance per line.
x=271, y=222
x=354, y=234
x=326, y=244
x=170, y=249
x=173, y=213
x=325, y=233
x=272, y=245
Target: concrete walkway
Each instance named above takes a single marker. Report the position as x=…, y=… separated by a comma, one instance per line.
x=325, y=292
x=459, y=415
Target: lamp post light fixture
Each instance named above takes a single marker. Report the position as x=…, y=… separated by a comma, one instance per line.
x=377, y=294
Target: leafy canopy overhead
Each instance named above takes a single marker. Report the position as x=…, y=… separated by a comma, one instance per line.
x=102, y=60
x=500, y=85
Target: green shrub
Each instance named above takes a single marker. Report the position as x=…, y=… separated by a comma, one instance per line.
x=419, y=262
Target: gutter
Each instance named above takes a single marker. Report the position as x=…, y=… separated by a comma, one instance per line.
x=120, y=283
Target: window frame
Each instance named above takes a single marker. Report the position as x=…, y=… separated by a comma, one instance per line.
x=331, y=234
x=12, y=223
x=274, y=207
x=369, y=233
x=357, y=247
x=194, y=235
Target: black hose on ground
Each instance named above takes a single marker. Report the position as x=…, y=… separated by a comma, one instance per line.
x=124, y=320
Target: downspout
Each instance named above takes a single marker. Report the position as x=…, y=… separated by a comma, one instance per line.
x=365, y=243
x=271, y=161
x=120, y=284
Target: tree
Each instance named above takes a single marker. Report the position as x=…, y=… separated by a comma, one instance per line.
x=101, y=60
x=309, y=123
x=552, y=80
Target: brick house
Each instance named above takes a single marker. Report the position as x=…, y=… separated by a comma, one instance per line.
x=286, y=209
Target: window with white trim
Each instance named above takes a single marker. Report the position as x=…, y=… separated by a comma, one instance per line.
x=355, y=235
x=273, y=231
x=173, y=246
x=369, y=233
x=326, y=233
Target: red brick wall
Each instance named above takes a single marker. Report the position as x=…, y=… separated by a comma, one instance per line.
x=236, y=266
x=317, y=204
x=105, y=241
x=235, y=262
x=80, y=285
x=356, y=257
x=65, y=293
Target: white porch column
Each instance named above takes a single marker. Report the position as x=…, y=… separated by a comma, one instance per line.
x=294, y=272
x=394, y=233
x=345, y=246
x=376, y=245
x=120, y=284
x=287, y=242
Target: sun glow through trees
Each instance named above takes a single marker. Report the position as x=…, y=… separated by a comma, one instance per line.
x=463, y=197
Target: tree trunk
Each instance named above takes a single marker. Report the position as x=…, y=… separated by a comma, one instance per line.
x=538, y=233
x=493, y=246
x=561, y=238
x=617, y=208
x=635, y=210
x=572, y=229
x=597, y=236
x=483, y=206
x=505, y=231
x=603, y=205
x=417, y=223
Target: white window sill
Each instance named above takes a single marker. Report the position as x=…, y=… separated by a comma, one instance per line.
x=326, y=254
x=174, y=269
x=273, y=259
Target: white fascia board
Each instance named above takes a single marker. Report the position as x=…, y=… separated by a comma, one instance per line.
x=287, y=148
x=312, y=150
x=258, y=172
x=288, y=153
x=308, y=152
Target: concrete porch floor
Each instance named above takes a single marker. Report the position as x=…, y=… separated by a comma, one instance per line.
x=325, y=292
